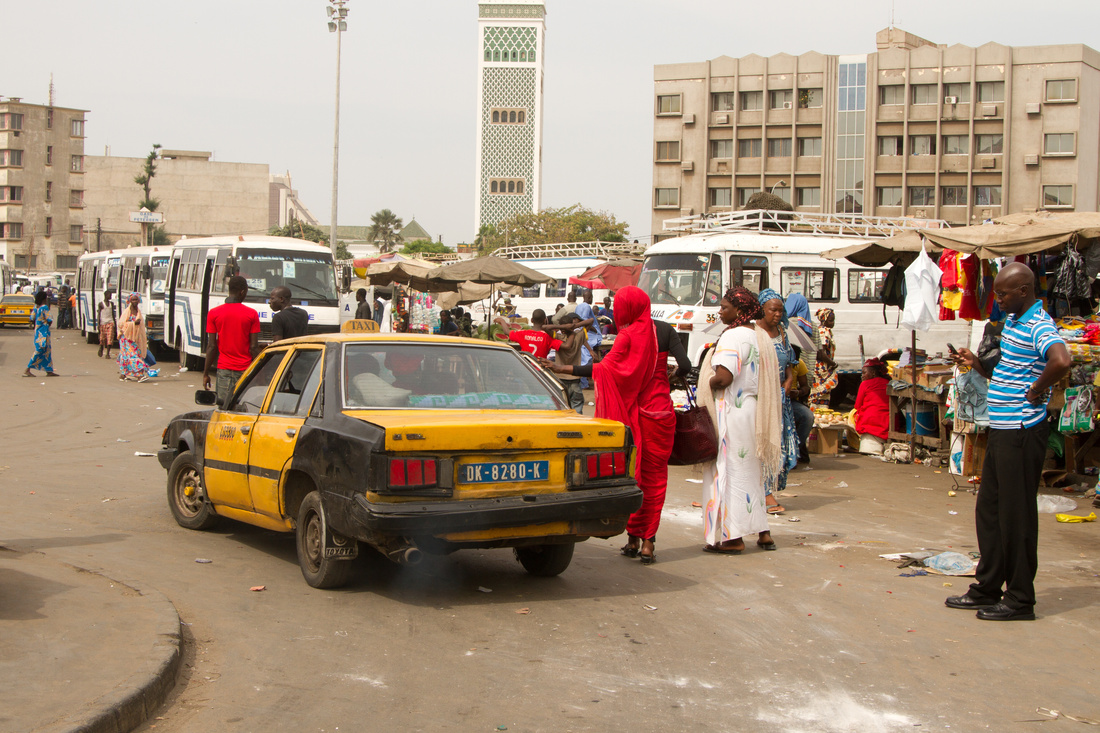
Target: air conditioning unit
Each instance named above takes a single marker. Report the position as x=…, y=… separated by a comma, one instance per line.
x=788, y=105
x=722, y=120
x=722, y=166
x=950, y=100
x=920, y=214
x=1033, y=108
x=988, y=162
x=1031, y=160
x=689, y=119
x=687, y=211
x=989, y=110
x=687, y=165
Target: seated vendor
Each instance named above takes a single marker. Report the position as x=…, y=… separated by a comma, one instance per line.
x=872, y=413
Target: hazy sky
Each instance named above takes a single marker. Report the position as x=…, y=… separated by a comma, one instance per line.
x=254, y=82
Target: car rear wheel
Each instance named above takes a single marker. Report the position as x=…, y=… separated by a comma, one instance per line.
x=545, y=560
x=318, y=570
x=186, y=495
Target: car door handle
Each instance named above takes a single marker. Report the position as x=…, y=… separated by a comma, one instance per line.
x=291, y=432
x=246, y=429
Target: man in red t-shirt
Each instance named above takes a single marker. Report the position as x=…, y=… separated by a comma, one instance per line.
x=534, y=340
x=234, y=331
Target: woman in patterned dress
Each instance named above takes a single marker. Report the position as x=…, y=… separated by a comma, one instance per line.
x=825, y=376
x=774, y=322
x=43, y=354
x=133, y=342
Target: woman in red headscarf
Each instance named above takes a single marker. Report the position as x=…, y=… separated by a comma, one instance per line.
x=872, y=419
x=628, y=390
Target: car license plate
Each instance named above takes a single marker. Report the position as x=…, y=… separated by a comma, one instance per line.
x=483, y=473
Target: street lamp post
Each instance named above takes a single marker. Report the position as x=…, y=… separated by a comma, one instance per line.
x=337, y=23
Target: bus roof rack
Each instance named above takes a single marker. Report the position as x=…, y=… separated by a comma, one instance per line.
x=802, y=223
x=604, y=250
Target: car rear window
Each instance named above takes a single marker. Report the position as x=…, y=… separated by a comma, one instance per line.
x=460, y=377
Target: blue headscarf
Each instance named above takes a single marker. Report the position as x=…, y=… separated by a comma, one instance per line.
x=798, y=307
x=768, y=294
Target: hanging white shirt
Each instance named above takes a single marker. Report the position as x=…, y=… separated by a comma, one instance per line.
x=922, y=290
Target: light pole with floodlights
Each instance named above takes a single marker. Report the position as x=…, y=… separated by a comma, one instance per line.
x=337, y=23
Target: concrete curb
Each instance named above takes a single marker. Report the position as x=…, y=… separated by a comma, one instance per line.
x=147, y=687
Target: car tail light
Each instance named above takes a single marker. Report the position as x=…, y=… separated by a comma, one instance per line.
x=604, y=465
x=413, y=473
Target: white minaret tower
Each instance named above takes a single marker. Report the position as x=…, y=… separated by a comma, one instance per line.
x=508, y=175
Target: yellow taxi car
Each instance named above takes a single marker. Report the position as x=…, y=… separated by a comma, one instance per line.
x=16, y=310
x=409, y=444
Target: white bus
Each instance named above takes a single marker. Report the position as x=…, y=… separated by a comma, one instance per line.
x=686, y=277
x=141, y=270
x=7, y=279
x=199, y=272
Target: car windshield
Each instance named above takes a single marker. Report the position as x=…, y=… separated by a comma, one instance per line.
x=17, y=300
x=310, y=277
x=443, y=377
x=674, y=278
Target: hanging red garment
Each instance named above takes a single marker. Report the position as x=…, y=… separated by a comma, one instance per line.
x=968, y=306
x=659, y=427
x=625, y=373
x=949, y=282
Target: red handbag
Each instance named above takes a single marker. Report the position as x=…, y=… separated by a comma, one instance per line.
x=695, y=440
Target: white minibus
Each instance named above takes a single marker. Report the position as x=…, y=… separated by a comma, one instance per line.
x=141, y=270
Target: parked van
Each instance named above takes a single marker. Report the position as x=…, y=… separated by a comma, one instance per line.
x=686, y=277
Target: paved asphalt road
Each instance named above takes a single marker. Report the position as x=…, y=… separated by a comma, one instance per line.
x=819, y=636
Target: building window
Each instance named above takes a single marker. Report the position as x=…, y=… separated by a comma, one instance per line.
x=953, y=196
x=12, y=230
x=922, y=196
x=892, y=94
x=809, y=98
x=1057, y=197
x=990, y=144
x=890, y=145
x=783, y=192
x=956, y=144
x=77, y=128
x=667, y=197
x=668, y=150
x=1058, y=143
x=76, y=233
x=781, y=99
x=808, y=196
x=888, y=195
x=11, y=121
x=49, y=155
x=508, y=116
x=720, y=196
x=496, y=116
x=77, y=165
x=26, y=262
x=11, y=158
x=925, y=93
x=1061, y=90
x=721, y=101
x=65, y=262
x=987, y=195
x=744, y=194
x=506, y=185
x=961, y=92
x=49, y=191
x=11, y=194
x=76, y=199
x=49, y=226
x=752, y=101
x=922, y=145
x=749, y=148
x=809, y=147
x=49, y=118
x=721, y=148
x=668, y=104
x=991, y=91
x=779, y=147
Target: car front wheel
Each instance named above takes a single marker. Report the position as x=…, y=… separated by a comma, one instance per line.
x=545, y=560
x=186, y=494
x=318, y=570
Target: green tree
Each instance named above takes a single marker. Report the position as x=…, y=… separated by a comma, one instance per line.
x=485, y=234
x=145, y=180
x=425, y=246
x=567, y=224
x=385, y=230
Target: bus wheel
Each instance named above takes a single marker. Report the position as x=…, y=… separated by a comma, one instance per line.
x=92, y=338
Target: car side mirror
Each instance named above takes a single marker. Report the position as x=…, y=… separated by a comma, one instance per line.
x=206, y=397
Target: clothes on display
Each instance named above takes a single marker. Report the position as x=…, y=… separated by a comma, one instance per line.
x=922, y=285
x=961, y=276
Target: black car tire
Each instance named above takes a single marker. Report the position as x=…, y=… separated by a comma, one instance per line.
x=191, y=510
x=92, y=338
x=319, y=571
x=545, y=561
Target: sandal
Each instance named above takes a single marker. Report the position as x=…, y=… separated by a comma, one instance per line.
x=777, y=509
x=52, y=374
x=630, y=549
x=651, y=557
x=722, y=550
x=766, y=545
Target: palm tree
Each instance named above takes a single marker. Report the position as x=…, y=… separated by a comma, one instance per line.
x=384, y=230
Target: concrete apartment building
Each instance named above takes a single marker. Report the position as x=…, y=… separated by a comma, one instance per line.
x=915, y=129
x=42, y=185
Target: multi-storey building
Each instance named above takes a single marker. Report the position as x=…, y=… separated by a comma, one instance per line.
x=509, y=92
x=41, y=185
x=915, y=129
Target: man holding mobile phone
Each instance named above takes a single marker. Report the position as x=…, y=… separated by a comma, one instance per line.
x=1033, y=359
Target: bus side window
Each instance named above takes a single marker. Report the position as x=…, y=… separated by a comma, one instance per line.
x=714, y=291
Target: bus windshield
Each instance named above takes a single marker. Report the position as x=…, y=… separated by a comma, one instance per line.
x=674, y=278
x=310, y=277
x=159, y=274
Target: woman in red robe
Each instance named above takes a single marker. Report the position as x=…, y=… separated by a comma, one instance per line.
x=872, y=404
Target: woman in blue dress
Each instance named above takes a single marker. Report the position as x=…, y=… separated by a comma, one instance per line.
x=774, y=323
x=43, y=357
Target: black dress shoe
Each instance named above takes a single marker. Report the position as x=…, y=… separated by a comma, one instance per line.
x=1001, y=612
x=967, y=602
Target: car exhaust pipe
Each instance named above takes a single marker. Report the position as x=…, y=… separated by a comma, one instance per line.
x=405, y=553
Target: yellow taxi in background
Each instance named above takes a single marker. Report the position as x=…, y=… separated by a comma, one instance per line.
x=16, y=310
x=408, y=444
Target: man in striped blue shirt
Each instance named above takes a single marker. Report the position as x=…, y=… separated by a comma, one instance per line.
x=1033, y=359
